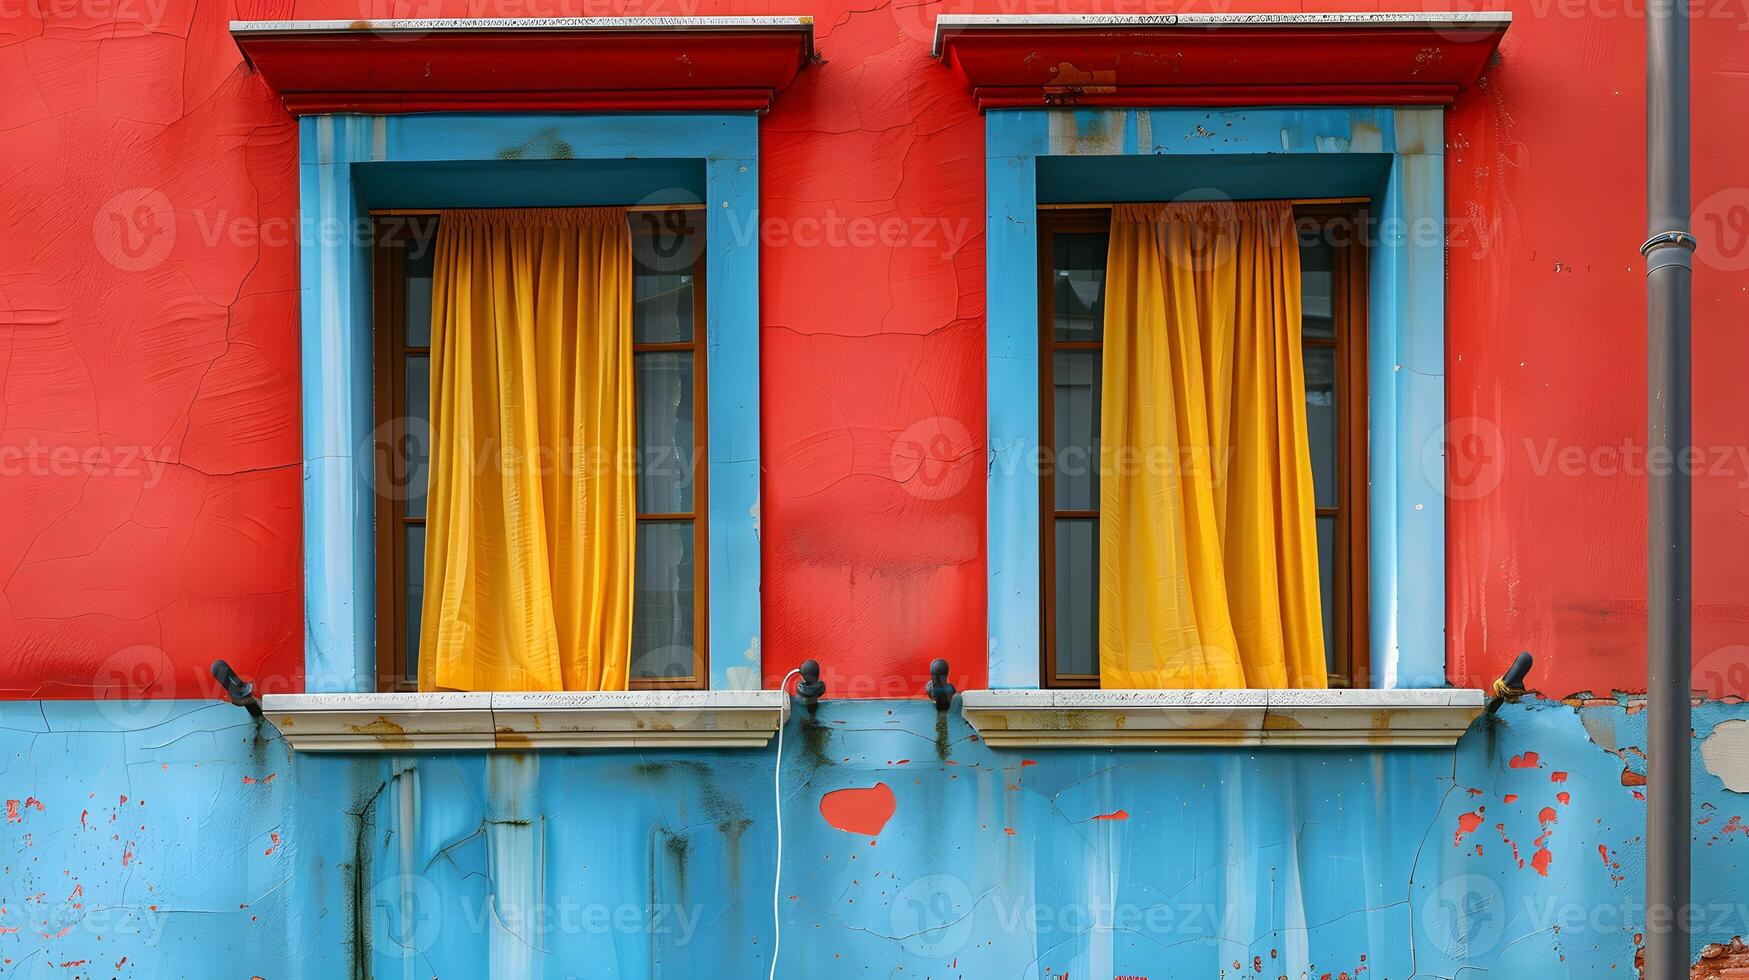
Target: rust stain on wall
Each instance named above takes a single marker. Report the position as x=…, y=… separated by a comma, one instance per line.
x=1722, y=961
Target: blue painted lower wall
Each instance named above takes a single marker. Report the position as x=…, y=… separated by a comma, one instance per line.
x=163, y=839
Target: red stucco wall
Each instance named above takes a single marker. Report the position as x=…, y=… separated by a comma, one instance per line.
x=150, y=410
x=1546, y=350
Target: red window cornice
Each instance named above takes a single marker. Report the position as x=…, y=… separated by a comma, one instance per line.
x=1218, y=59
x=688, y=64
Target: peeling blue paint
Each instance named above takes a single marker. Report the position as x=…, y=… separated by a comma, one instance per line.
x=1209, y=862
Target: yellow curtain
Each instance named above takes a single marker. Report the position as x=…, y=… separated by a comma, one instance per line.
x=532, y=513
x=1208, y=550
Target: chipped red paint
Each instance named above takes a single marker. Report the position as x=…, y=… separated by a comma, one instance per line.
x=1467, y=823
x=1510, y=798
x=1557, y=777
x=859, y=811
x=1564, y=797
x=1113, y=815
x=1722, y=961
x=1546, y=816
x=1501, y=827
x=1734, y=825
x=1526, y=760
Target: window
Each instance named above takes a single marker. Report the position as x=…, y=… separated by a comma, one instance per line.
x=669, y=623
x=668, y=603
x=1072, y=265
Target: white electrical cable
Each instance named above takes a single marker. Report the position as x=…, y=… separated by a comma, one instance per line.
x=777, y=800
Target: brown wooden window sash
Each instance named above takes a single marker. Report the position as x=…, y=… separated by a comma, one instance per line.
x=394, y=234
x=1052, y=224
x=1346, y=227
x=646, y=225
x=392, y=449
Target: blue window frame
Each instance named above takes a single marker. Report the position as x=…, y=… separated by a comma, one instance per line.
x=1392, y=156
x=350, y=164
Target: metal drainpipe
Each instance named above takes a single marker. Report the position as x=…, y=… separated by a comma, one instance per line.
x=1669, y=566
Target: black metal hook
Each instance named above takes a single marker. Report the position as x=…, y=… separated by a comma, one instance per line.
x=939, y=690
x=240, y=691
x=811, y=686
x=1510, y=686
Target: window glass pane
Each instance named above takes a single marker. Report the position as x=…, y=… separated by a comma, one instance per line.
x=415, y=593
x=1075, y=400
x=1321, y=421
x=663, y=257
x=1077, y=591
x=1078, y=285
x=666, y=460
x=662, y=600
x=1327, y=587
x=415, y=436
x=1317, y=285
x=421, y=258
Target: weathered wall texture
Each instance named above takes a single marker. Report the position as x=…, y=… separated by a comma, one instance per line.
x=147, y=338
x=150, y=493
x=176, y=839
x=148, y=407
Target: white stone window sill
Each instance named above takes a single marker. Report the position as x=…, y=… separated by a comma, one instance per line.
x=608, y=720
x=1310, y=718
